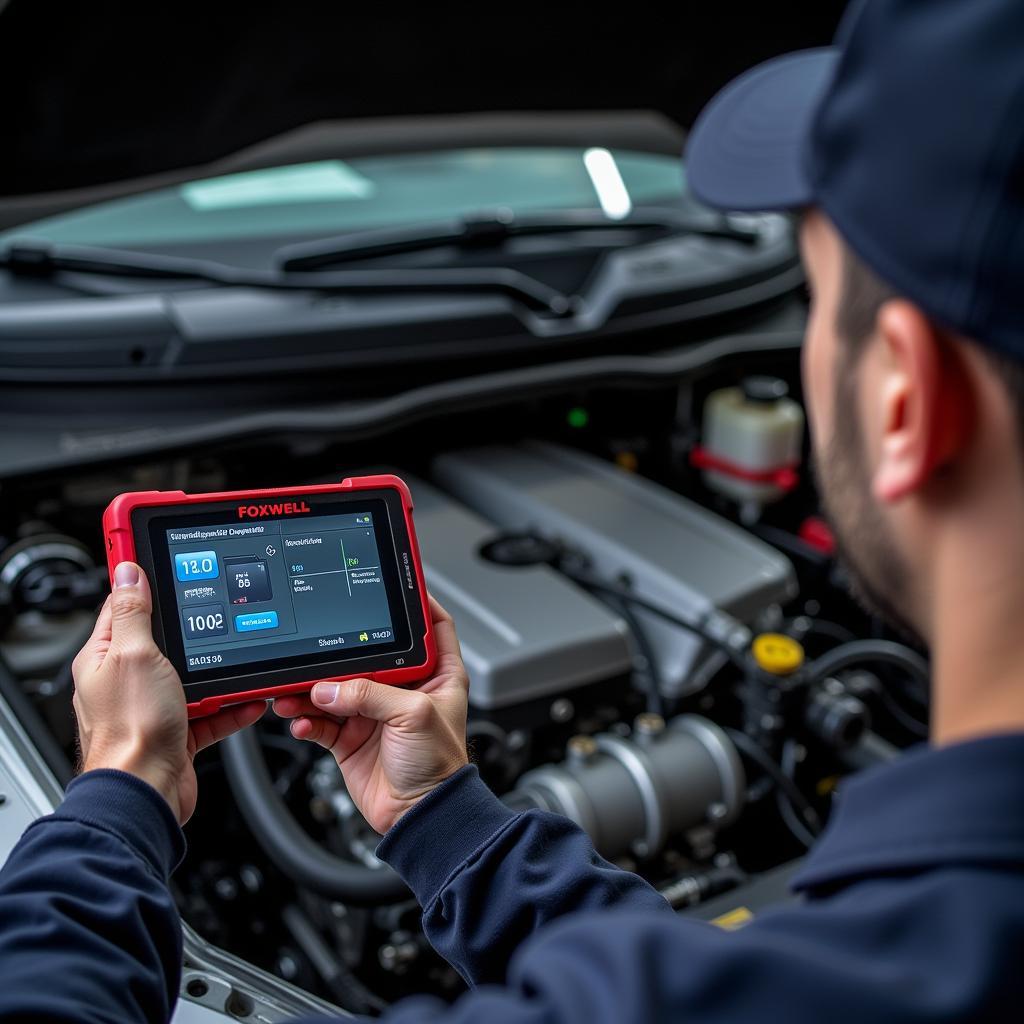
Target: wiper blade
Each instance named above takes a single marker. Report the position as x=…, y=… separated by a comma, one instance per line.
x=41, y=259
x=495, y=227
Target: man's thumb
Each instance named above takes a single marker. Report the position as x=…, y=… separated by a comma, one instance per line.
x=131, y=604
x=370, y=699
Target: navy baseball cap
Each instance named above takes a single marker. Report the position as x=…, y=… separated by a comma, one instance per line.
x=909, y=135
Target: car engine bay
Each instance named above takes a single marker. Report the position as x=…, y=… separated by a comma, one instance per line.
x=660, y=646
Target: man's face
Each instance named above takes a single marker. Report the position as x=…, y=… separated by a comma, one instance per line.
x=841, y=434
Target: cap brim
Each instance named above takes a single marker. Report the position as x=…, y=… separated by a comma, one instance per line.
x=747, y=150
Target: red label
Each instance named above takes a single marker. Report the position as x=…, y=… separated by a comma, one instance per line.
x=277, y=508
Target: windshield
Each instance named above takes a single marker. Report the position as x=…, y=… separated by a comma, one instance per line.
x=332, y=196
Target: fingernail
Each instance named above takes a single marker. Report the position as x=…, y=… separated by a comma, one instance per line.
x=325, y=693
x=126, y=575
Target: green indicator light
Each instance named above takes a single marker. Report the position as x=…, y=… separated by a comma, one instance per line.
x=578, y=417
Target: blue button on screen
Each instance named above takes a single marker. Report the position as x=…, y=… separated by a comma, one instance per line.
x=251, y=621
x=196, y=565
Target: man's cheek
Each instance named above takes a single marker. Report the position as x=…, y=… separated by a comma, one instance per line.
x=816, y=392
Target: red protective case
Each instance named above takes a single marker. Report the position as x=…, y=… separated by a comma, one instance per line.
x=117, y=527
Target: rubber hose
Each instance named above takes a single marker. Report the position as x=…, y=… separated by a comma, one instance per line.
x=351, y=993
x=35, y=726
x=883, y=651
x=287, y=844
x=655, y=703
x=871, y=750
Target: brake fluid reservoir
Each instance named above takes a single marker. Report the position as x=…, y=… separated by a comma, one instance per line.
x=752, y=440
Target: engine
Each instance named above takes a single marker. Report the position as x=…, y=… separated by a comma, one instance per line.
x=660, y=649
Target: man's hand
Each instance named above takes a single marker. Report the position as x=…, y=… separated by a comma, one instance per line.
x=393, y=745
x=131, y=705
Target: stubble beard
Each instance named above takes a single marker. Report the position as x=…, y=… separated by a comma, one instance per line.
x=864, y=544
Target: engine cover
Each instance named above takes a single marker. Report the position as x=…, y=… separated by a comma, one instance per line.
x=525, y=632
x=676, y=554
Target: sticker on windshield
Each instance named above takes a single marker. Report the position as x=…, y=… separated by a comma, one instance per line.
x=324, y=181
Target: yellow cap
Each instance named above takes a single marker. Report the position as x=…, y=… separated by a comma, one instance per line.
x=777, y=653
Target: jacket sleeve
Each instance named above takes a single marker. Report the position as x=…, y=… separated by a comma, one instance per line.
x=487, y=877
x=910, y=949
x=90, y=932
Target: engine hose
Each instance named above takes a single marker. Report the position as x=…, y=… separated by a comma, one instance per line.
x=652, y=682
x=871, y=750
x=346, y=988
x=287, y=844
x=751, y=749
x=32, y=722
x=881, y=651
x=734, y=650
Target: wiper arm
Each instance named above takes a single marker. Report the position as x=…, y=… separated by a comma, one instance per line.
x=41, y=259
x=493, y=228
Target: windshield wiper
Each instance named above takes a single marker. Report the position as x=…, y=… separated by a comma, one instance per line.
x=495, y=227
x=41, y=259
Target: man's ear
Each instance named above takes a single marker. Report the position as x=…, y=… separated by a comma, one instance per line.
x=924, y=398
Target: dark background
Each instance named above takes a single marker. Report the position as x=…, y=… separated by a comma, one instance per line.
x=103, y=91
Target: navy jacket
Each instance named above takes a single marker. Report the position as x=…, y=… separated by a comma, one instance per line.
x=914, y=910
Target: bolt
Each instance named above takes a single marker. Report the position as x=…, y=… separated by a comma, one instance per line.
x=396, y=956
x=287, y=967
x=516, y=739
x=718, y=812
x=562, y=710
x=738, y=638
x=649, y=724
x=580, y=749
x=321, y=810
x=251, y=878
x=226, y=888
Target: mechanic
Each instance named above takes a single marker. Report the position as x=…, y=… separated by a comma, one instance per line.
x=903, y=149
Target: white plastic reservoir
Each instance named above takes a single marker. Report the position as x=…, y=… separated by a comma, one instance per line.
x=756, y=431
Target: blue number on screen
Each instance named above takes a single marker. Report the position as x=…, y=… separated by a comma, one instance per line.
x=196, y=565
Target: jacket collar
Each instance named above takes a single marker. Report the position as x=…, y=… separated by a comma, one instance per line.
x=952, y=805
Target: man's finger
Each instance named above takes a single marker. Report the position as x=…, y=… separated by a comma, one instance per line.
x=101, y=631
x=449, y=653
x=93, y=650
x=437, y=611
x=212, y=729
x=364, y=697
x=294, y=705
x=131, y=606
x=317, y=729
x=444, y=631
x=341, y=738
